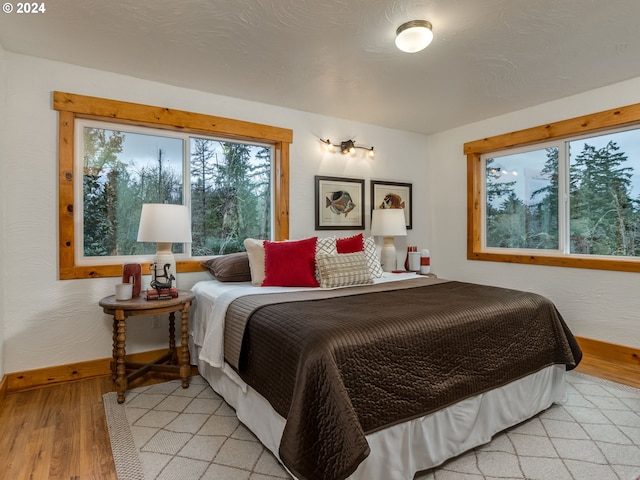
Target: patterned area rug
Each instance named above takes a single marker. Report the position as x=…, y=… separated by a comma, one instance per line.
x=165, y=432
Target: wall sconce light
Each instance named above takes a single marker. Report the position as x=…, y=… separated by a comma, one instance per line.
x=347, y=147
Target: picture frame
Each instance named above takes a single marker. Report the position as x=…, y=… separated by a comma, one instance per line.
x=339, y=203
x=393, y=195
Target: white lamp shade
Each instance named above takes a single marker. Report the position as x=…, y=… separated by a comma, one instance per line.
x=388, y=222
x=414, y=36
x=164, y=223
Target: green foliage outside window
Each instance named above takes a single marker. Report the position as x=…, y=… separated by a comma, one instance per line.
x=228, y=187
x=230, y=195
x=603, y=208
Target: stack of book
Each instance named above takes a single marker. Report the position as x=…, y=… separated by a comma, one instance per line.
x=161, y=294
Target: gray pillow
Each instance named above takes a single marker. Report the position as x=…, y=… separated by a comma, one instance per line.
x=233, y=267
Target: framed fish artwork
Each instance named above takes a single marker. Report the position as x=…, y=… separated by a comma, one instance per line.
x=393, y=195
x=339, y=203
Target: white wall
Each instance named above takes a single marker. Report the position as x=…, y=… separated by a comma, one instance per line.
x=596, y=304
x=51, y=322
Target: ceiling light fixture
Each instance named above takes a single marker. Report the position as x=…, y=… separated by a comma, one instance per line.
x=414, y=36
x=346, y=147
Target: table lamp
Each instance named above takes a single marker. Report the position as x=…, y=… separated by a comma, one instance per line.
x=388, y=223
x=164, y=224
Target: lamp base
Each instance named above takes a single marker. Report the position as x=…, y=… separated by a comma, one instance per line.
x=165, y=266
x=388, y=257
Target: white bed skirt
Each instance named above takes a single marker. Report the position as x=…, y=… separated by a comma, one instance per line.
x=398, y=452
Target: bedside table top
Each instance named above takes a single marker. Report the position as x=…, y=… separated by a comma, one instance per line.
x=141, y=303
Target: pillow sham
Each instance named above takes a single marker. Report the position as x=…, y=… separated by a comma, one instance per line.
x=291, y=263
x=343, y=269
x=326, y=245
x=233, y=267
x=350, y=244
x=373, y=260
x=255, y=251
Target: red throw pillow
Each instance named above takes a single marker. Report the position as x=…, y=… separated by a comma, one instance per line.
x=350, y=244
x=290, y=264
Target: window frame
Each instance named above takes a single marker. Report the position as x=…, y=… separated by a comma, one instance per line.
x=72, y=106
x=588, y=124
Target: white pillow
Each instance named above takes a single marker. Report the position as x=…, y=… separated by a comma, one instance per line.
x=255, y=250
x=343, y=269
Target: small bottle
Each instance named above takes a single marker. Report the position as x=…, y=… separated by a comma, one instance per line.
x=425, y=262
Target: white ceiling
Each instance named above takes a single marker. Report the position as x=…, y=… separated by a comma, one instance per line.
x=338, y=58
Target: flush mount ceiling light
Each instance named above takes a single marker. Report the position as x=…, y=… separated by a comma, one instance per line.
x=414, y=36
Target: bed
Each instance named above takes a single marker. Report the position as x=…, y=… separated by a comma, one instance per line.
x=378, y=380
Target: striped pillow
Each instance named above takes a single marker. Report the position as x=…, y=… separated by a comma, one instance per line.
x=343, y=269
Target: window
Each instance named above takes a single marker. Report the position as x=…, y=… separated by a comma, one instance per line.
x=565, y=194
x=521, y=199
x=232, y=174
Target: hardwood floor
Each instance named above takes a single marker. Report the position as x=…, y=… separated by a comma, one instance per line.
x=60, y=433
x=616, y=372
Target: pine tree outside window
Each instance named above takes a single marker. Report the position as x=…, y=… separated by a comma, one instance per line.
x=225, y=183
x=571, y=201
x=601, y=211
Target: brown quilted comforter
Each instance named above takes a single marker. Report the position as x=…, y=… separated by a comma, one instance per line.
x=337, y=368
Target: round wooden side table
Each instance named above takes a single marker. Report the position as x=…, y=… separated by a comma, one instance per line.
x=139, y=306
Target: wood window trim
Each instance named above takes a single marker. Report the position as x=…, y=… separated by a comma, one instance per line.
x=593, y=123
x=71, y=106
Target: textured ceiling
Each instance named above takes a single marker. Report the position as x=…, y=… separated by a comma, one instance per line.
x=337, y=57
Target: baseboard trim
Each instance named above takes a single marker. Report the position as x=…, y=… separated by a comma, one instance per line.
x=27, y=380
x=610, y=352
x=3, y=388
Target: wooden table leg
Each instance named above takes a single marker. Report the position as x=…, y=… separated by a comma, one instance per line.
x=121, y=369
x=114, y=353
x=172, y=339
x=185, y=368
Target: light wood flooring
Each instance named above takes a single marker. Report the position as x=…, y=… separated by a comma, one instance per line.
x=60, y=432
